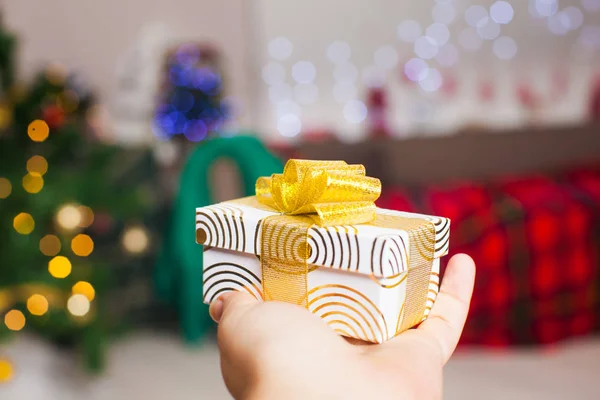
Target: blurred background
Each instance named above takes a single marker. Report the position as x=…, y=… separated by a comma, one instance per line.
x=119, y=117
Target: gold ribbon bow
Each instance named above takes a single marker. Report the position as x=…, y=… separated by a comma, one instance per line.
x=330, y=192
x=325, y=193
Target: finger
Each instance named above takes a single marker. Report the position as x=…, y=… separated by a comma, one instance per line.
x=230, y=304
x=447, y=318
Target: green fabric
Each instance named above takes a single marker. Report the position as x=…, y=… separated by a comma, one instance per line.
x=178, y=273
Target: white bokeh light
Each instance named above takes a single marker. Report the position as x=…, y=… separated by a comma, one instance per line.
x=386, y=57
x=425, y=48
x=289, y=125
x=443, y=13
x=475, y=14
x=345, y=73
x=306, y=93
x=416, y=69
x=409, y=31
x=373, y=76
x=355, y=111
x=280, y=48
x=339, y=52
x=488, y=29
x=559, y=23
x=575, y=17
x=433, y=80
x=304, y=72
x=280, y=92
x=502, y=12
x=469, y=39
x=273, y=73
x=591, y=5
x=505, y=48
x=344, y=92
x=447, y=56
x=439, y=33
x=288, y=107
x=546, y=8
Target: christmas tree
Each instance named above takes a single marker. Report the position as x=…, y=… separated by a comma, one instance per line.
x=76, y=215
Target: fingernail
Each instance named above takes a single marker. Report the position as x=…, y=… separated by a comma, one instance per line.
x=216, y=309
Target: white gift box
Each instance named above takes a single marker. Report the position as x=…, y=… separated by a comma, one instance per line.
x=365, y=281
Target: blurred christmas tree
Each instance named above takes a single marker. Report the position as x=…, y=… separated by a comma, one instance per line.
x=76, y=215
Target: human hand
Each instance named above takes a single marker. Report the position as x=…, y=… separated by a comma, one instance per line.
x=272, y=350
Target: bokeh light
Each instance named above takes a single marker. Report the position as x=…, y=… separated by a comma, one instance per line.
x=280, y=48
x=38, y=130
x=288, y=107
x=546, y=8
x=306, y=93
x=488, y=29
x=443, y=13
x=6, y=371
x=273, y=73
x=426, y=48
x=37, y=304
x=432, y=81
x=439, y=33
x=415, y=69
x=505, y=48
x=373, y=76
x=591, y=5
x=386, y=57
x=87, y=216
x=304, y=72
x=195, y=130
x=355, y=111
x=409, y=31
x=24, y=223
x=82, y=245
x=280, y=92
x=575, y=17
x=59, y=267
x=289, y=125
x=14, y=320
x=68, y=216
x=50, y=245
x=559, y=23
x=37, y=166
x=33, y=183
x=5, y=188
x=78, y=305
x=475, y=15
x=84, y=288
x=135, y=240
x=502, y=12
x=339, y=52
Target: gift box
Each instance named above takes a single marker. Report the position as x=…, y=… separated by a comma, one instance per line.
x=313, y=237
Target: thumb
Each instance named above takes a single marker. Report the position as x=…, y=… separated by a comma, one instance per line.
x=230, y=305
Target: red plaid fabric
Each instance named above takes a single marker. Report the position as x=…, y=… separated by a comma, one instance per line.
x=535, y=242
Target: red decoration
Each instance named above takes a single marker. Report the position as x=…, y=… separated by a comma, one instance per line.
x=449, y=86
x=486, y=91
x=54, y=116
x=526, y=96
x=377, y=105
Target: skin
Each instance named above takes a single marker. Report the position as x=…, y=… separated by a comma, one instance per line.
x=276, y=350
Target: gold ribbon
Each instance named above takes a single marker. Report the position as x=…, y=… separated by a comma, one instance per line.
x=328, y=193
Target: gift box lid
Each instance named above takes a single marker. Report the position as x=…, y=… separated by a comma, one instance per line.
x=380, y=248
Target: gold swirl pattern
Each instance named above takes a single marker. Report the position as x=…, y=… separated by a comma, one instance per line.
x=224, y=277
x=221, y=225
x=346, y=309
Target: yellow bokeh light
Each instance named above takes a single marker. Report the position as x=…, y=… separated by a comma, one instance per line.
x=87, y=216
x=56, y=73
x=37, y=304
x=33, y=183
x=24, y=223
x=82, y=245
x=5, y=116
x=135, y=240
x=50, y=245
x=5, y=188
x=84, y=288
x=78, y=305
x=38, y=130
x=59, y=267
x=68, y=217
x=14, y=320
x=37, y=166
x=6, y=370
